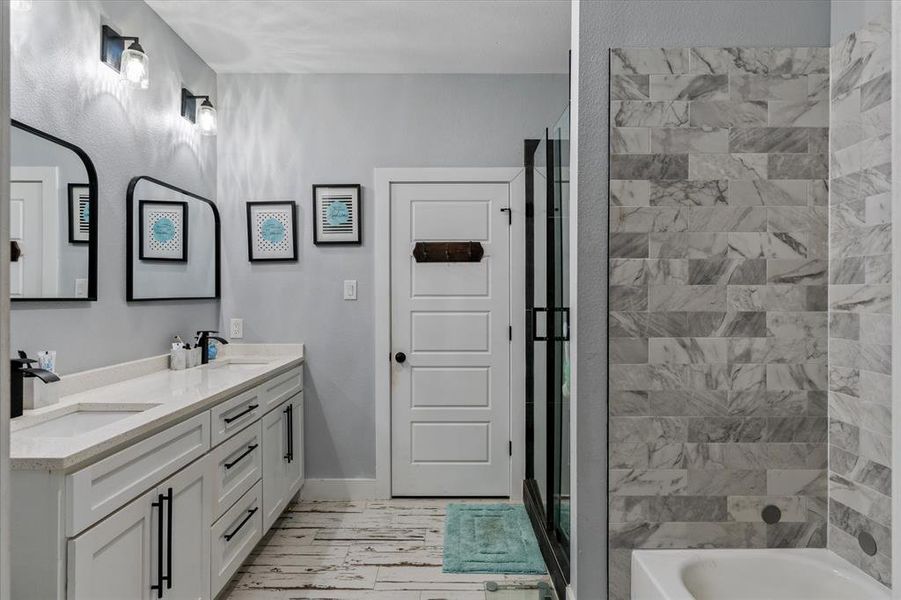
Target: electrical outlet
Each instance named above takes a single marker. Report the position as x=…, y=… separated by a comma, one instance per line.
x=81, y=288
x=236, y=329
x=350, y=289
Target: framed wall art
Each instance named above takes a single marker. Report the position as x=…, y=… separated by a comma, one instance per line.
x=79, y=213
x=271, y=231
x=164, y=230
x=337, y=214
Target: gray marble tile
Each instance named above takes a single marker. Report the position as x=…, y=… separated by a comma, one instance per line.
x=726, y=429
x=689, y=87
x=796, y=429
x=768, y=404
x=688, y=403
x=878, y=269
x=875, y=328
x=869, y=416
x=630, y=87
x=844, y=380
x=727, y=218
x=844, y=435
x=794, y=61
x=767, y=350
x=844, y=325
x=715, y=113
x=878, y=209
x=647, y=429
x=628, y=351
x=626, y=509
x=848, y=215
x=726, y=60
x=629, y=245
x=809, y=534
x=750, y=86
x=648, y=60
x=687, y=298
x=810, y=376
x=685, y=509
x=818, y=140
x=798, y=166
x=628, y=455
x=846, y=121
x=630, y=140
x=847, y=547
x=647, y=377
x=755, y=456
x=627, y=324
x=861, y=298
x=728, y=324
x=768, y=139
x=689, y=193
x=727, y=166
x=726, y=482
x=643, y=219
x=797, y=271
x=636, y=271
x=876, y=91
x=688, y=535
x=687, y=350
x=797, y=218
x=818, y=192
x=853, y=523
x=649, y=166
x=627, y=403
x=628, y=298
x=684, y=140
x=767, y=245
x=862, y=499
x=876, y=121
x=860, y=470
x=764, y=298
x=762, y=192
x=726, y=271
x=630, y=192
x=749, y=508
x=810, y=112
x=796, y=482
x=688, y=245
x=634, y=113
x=847, y=270
x=797, y=326
x=876, y=447
x=663, y=454
x=656, y=482
x=667, y=324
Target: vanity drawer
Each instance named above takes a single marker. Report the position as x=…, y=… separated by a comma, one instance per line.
x=280, y=388
x=238, y=466
x=233, y=415
x=234, y=536
x=107, y=485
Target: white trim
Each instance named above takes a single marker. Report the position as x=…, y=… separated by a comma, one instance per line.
x=382, y=300
x=896, y=284
x=340, y=489
x=570, y=594
x=4, y=303
x=50, y=232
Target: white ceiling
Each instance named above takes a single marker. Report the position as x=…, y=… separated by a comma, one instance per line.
x=373, y=36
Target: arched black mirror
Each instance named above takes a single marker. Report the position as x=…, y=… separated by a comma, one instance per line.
x=53, y=218
x=172, y=236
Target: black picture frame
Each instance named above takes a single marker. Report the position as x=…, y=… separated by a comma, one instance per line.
x=74, y=218
x=130, y=241
x=358, y=190
x=93, y=228
x=293, y=219
x=184, y=227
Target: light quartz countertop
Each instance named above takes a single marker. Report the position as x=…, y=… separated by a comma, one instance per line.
x=163, y=398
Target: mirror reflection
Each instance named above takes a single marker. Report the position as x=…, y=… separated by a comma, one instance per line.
x=53, y=196
x=173, y=246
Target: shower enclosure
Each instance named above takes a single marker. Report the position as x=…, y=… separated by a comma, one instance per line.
x=547, y=485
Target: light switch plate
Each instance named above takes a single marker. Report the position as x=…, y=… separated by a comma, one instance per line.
x=350, y=289
x=236, y=329
x=81, y=288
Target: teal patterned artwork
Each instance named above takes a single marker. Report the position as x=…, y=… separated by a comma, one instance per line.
x=337, y=213
x=270, y=231
x=164, y=230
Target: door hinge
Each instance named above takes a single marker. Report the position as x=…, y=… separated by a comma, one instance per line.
x=510, y=447
x=510, y=333
x=509, y=215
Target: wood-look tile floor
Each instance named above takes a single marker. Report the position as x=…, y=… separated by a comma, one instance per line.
x=372, y=550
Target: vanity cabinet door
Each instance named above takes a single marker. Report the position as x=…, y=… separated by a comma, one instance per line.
x=295, y=465
x=275, y=463
x=187, y=539
x=112, y=561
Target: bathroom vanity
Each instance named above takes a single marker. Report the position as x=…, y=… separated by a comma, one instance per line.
x=149, y=483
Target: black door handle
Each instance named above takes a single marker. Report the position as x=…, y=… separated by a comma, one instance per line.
x=289, y=417
x=400, y=357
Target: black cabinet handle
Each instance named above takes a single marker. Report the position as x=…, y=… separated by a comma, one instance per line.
x=250, y=449
x=158, y=586
x=168, y=576
x=289, y=437
x=228, y=536
x=249, y=409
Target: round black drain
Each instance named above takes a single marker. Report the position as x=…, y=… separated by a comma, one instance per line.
x=771, y=514
x=867, y=543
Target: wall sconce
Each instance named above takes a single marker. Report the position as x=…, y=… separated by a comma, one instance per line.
x=131, y=62
x=20, y=5
x=204, y=115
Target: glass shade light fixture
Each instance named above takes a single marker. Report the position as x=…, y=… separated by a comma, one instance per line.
x=131, y=62
x=203, y=114
x=20, y=5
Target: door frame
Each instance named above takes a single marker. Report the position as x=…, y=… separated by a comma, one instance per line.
x=50, y=208
x=515, y=178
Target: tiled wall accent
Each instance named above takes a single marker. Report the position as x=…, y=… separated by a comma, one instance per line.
x=860, y=245
x=718, y=280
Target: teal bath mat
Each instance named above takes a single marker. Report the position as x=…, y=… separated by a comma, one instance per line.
x=490, y=538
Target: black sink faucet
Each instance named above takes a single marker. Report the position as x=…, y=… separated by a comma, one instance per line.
x=18, y=371
x=204, y=343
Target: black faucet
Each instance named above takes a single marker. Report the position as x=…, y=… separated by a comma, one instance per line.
x=204, y=343
x=19, y=370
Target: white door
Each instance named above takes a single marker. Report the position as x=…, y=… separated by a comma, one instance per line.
x=192, y=491
x=34, y=226
x=450, y=396
x=112, y=560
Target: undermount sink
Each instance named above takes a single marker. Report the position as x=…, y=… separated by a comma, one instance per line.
x=83, y=419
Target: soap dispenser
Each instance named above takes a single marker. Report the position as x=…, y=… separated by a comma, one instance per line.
x=19, y=370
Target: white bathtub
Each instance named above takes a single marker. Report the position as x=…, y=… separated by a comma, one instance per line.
x=809, y=574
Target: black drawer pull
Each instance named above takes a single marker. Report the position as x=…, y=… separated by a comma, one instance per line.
x=250, y=449
x=247, y=410
x=228, y=536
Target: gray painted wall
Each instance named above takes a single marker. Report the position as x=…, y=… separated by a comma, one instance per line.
x=280, y=134
x=849, y=16
x=59, y=85
x=638, y=24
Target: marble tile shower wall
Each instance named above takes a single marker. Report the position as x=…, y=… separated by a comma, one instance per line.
x=718, y=299
x=860, y=248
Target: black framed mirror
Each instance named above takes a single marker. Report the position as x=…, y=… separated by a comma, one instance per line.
x=173, y=241
x=53, y=218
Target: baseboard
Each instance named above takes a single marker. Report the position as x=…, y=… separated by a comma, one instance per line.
x=570, y=594
x=339, y=489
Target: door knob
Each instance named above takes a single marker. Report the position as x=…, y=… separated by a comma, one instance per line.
x=400, y=357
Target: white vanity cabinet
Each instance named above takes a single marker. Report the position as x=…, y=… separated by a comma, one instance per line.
x=170, y=516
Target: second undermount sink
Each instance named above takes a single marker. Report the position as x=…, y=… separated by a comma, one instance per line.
x=79, y=420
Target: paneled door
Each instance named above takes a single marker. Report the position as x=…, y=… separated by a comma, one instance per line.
x=450, y=338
